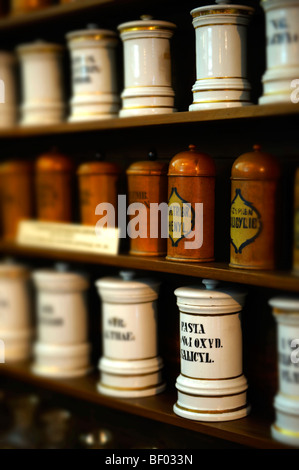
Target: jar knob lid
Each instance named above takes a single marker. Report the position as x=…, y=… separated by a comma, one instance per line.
x=92, y=26
x=210, y=283
x=146, y=17
x=61, y=267
x=221, y=1
x=127, y=275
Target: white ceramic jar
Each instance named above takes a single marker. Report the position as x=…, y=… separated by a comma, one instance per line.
x=286, y=402
x=42, y=83
x=8, y=90
x=62, y=348
x=94, y=78
x=281, y=79
x=147, y=67
x=130, y=365
x=211, y=385
x=16, y=329
x=221, y=58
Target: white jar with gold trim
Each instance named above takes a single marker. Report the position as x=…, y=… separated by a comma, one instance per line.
x=221, y=59
x=62, y=348
x=147, y=67
x=8, y=90
x=211, y=385
x=42, y=83
x=16, y=329
x=286, y=402
x=281, y=79
x=94, y=79
x=130, y=366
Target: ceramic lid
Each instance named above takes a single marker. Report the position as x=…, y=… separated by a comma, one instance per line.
x=287, y=304
x=222, y=8
x=192, y=163
x=59, y=280
x=126, y=288
x=38, y=46
x=98, y=168
x=148, y=167
x=16, y=166
x=209, y=299
x=10, y=270
x=146, y=23
x=257, y=165
x=53, y=161
x=92, y=31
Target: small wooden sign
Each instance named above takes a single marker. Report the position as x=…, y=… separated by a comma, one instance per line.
x=71, y=237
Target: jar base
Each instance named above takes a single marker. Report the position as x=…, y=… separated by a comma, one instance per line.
x=127, y=393
x=227, y=415
x=189, y=260
x=262, y=268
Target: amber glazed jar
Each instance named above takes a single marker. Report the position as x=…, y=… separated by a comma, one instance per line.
x=53, y=184
x=24, y=6
x=98, y=184
x=191, y=201
x=16, y=195
x=254, y=185
x=147, y=184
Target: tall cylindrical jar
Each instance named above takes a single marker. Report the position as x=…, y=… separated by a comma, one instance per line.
x=296, y=224
x=94, y=78
x=286, y=402
x=42, y=83
x=16, y=195
x=221, y=57
x=254, y=193
x=62, y=348
x=16, y=326
x=98, y=184
x=191, y=201
x=211, y=385
x=130, y=365
x=281, y=79
x=147, y=67
x=24, y=6
x=8, y=90
x=53, y=183
x=147, y=190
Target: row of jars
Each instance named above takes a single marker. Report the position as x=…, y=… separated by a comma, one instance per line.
x=170, y=205
x=17, y=7
x=221, y=74
x=211, y=385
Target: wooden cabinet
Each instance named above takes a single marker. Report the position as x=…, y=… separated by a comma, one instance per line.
x=224, y=134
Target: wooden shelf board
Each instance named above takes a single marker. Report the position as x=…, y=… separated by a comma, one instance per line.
x=251, y=431
x=186, y=117
x=281, y=280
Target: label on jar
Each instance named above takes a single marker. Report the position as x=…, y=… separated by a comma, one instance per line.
x=245, y=222
x=288, y=359
x=181, y=217
x=84, y=67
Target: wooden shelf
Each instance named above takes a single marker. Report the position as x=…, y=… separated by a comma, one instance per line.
x=252, y=431
x=283, y=280
x=247, y=112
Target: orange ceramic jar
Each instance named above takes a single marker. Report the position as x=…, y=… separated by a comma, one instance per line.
x=147, y=184
x=98, y=183
x=296, y=224
x=53, y=184
x=254, y=185
x=191, y=201
x=24, y=6
x=16, y=196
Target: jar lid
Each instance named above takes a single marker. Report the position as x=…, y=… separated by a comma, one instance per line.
x=98, y=168
x=146, y=23
x=272, y=4
x=53, y=161
x=38, y=46
x=257, y=165
x=92, y=32
x=59, y=281
x=9, y=270
x=16, y=166
x=127, y=289
x=148, y=167
x=209, y=299
x=192, y=163
x=222, y=9
x=285, y=304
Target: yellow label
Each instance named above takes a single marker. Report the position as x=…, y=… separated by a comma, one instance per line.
x=181, y=217
x=245, y=221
